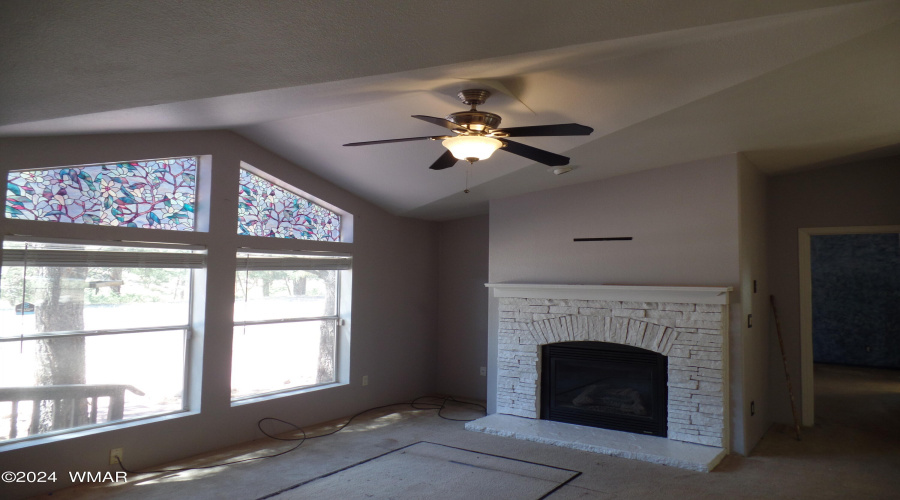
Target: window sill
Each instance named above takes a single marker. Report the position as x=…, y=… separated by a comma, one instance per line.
x=63, y=435
x=281, y=394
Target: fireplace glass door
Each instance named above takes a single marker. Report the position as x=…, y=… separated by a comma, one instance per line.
x=604, y=385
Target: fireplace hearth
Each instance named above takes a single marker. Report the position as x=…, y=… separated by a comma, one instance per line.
x=600, y=384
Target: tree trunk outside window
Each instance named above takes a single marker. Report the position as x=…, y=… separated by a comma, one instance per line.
x=327, y=339
x=61, y=361
x=298, y=285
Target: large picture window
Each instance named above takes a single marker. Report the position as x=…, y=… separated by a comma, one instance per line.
x=92, y=334
x=286, y=322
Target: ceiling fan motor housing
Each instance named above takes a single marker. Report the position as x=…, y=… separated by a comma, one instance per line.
x=476, y=121
x=473, y=97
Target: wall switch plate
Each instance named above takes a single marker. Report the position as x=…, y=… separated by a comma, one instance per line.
x=483, y=371
x=365, y=380
x=116, y=452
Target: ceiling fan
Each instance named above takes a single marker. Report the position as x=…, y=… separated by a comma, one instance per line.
x=476, y=136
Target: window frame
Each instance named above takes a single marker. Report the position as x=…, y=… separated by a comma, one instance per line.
x=210, y=300
x=341, y=322
x=186, y=329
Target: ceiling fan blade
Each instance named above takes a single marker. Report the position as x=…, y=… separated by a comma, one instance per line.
x=446, y=160
x=439, y=121
x=532, y=153
x=407, y=139
x=547, y=130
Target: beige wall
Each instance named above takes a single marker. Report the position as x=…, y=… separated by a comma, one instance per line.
x=394, y=305
x=863, y=193
x=685, y=221
x=754, y=365
x=462, y=306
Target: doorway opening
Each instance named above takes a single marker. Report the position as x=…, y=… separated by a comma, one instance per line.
x=848, y=279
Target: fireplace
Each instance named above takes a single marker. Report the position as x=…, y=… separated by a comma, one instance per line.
x=688, y=326
x=683, y=329
x=600, y=384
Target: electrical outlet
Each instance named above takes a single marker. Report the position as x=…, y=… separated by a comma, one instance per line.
x=116, y=452
x=365, y=380
x=483, y=371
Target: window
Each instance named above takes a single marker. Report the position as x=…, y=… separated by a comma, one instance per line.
x=157, y=194
x=265, y=209
x=98, y=332
x=91, y=333
x=286, y=321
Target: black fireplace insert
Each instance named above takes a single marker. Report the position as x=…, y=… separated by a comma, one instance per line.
x=599, y=384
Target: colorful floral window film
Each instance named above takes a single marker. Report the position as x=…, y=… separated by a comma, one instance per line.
x=265, y=209
x=156, y=194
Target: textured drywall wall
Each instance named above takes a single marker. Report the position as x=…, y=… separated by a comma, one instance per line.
x=393, y=305
x=754, y=331
x=854, y=194
x=684, y=220
x=462, y=306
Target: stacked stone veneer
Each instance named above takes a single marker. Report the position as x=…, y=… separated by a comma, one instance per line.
x=689, y=335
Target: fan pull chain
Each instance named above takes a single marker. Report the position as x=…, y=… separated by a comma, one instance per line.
x=469, y=166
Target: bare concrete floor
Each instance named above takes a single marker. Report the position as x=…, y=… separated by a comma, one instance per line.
x=853, y=452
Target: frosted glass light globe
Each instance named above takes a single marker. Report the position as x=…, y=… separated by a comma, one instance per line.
x=472, y=147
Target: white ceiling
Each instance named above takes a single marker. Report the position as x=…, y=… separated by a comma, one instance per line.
x=791, y=83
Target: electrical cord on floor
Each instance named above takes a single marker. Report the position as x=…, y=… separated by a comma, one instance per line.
x=444, y=405
x=416, y=404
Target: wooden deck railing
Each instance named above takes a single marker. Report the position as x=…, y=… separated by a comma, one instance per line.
x=58, y=393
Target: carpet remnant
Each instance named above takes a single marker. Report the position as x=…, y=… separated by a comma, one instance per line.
x=433, y=470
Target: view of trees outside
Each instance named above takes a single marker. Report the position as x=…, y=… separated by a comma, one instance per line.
x=61, y=299
x=279, y=356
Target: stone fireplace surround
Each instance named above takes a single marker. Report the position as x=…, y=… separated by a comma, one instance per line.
x=688, y=325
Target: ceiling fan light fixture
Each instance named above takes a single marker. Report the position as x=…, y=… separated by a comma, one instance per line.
x=472, y=147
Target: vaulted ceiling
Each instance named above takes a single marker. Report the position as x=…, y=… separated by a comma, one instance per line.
x=791, y=83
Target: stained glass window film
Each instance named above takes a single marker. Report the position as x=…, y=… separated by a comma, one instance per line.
x=265, y=209
x=157, y=194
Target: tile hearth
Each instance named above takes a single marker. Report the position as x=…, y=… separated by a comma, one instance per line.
x=615, y=443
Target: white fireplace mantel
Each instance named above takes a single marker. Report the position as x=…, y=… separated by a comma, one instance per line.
x=673, y=294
